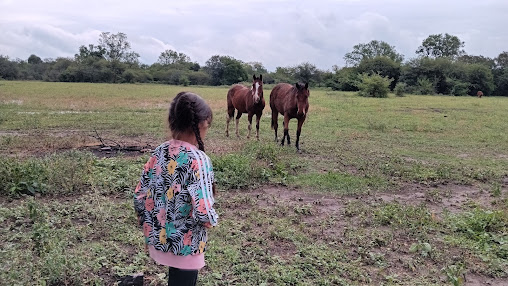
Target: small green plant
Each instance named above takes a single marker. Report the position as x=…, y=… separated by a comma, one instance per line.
x=455, y=274
x=496, y=190
x=433, y=196
x=233, y=171
x=22, y=177
x=374, y=86
x=376, y=125
x=424, y=249
x=39, y=230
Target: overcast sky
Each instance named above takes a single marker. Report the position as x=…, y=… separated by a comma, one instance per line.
x=275, y=33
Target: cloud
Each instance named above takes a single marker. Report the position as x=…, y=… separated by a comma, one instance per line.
x=44, y=40
x=276, y=33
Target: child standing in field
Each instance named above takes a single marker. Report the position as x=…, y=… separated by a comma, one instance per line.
x=174, y=198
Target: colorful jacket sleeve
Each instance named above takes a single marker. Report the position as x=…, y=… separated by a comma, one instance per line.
x=202, y=190
x=142, y=188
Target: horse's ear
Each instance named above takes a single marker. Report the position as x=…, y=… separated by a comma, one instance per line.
x=260, y=77
x=254, y=77
x=306, y=85
x=297, y=85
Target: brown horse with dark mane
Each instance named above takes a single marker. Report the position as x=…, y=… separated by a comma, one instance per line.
x=479, y=94
x=246, y=100
x=292, y=102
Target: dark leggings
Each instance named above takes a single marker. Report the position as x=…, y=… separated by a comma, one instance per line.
x=182, y=277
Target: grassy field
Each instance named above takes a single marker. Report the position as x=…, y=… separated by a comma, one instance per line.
x=399, y=191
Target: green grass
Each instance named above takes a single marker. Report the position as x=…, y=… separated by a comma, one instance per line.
x=67, y=215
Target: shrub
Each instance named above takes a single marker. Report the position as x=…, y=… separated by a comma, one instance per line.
x=345, y=79
x=459, y=88
x=184, y=80
x=374, y=86
x=59, y=173
x=425, y=86
x=232, y=171
x=400, y=89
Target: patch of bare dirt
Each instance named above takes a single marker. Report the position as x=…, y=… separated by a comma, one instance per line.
x=41, y=143
x=442, y=197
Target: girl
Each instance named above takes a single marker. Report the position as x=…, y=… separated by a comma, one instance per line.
x=174, y=198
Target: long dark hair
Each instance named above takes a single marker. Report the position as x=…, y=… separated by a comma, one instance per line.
x=186, y=111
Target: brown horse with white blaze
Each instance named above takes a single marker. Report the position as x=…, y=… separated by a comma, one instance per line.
x=292, y=102
x=246, y=100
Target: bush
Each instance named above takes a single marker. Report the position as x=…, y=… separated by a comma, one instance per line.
x=374, y=86
x=400, y=89
x=58, y=174
x=345, y=79
x=184, y=80
x=425, y=86
x=459, y=88
x=233, y=171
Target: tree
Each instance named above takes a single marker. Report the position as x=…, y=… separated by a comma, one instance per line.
x=470, y=59
x=345, y=79
x=8, y=69
x=383, y=66
x=254, y=68
x=117, y=48
x=284, y=74
x=502, y=60
x=501, y=80
x=91, y=52
x=169, y=57
x=440, y=45
x=371, y=50
x=233, y=71
x=438, y=72
x=307, y=73
x=34, y=60
x=480, y=78
x=225, y=70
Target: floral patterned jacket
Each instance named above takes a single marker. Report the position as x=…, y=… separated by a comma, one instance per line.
x=174, y=199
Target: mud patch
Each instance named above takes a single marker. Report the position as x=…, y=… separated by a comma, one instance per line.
x=453, y=198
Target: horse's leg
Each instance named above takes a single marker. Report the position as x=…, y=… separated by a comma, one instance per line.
x=237, y=121
x=275, y=122
x=286, y=129
x=249, y=117
x=258, y=117
x=231, y=113
x=298, y=132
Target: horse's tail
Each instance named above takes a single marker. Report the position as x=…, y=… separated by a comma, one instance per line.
x=230, y=97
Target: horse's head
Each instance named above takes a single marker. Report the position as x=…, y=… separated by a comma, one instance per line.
x=302, y=97
x=257, y=88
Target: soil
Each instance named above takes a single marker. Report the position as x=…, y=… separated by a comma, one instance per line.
x=322, y=207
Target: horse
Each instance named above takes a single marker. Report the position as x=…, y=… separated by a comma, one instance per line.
x=479, y=94
x=246, y=100
x=292, y=102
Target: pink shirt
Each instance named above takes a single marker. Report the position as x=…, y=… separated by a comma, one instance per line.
x=193, y=262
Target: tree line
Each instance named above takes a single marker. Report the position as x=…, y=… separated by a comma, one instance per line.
x=440, y=66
